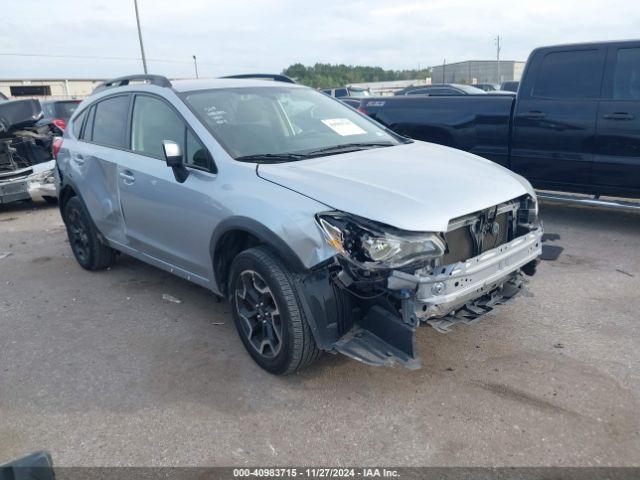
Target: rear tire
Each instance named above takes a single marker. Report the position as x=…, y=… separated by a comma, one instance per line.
x=86, y=246
x=267, y=312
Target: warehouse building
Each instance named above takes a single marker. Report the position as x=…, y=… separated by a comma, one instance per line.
x=478, y=71
x=48, y=88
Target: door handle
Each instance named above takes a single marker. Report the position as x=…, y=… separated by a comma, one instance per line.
x=619, y=116
x=535, y=114
x=79, y=159
x=127, y=177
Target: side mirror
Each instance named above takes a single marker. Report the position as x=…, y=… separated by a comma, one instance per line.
x=174, y=158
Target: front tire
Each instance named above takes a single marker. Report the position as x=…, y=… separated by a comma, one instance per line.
x=267, y=312
x=86, y=246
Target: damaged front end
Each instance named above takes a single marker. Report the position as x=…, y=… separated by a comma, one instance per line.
x=25, y=149
x=388, y=282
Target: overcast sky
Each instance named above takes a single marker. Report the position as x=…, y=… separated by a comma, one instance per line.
x=268, y=35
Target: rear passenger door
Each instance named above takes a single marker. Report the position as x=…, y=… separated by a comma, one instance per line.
x=100, y=147
x=616, y=169
x=553, y=140
x=168, y=221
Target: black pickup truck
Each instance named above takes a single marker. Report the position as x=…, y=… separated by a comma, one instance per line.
x=574, y=125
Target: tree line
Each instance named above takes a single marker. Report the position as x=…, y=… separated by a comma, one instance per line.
x=325, y=75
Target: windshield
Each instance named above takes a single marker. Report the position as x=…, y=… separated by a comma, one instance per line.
x=281, y=121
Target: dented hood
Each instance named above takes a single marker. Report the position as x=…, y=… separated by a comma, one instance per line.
x=417, y=187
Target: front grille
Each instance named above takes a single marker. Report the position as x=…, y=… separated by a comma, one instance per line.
x=474, y=234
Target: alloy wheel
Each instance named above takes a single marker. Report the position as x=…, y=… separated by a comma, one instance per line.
x=78, y=235
x=260, y=319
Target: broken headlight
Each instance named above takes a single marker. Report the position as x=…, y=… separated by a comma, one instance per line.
x=373, y=245
x=528, y=212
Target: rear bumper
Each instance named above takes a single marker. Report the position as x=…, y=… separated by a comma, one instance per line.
x=14, y=188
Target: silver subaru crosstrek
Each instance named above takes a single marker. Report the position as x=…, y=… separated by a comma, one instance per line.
x=324, y=230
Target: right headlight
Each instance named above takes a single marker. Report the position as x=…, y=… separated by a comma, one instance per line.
x=528, y=213
x=373, y=245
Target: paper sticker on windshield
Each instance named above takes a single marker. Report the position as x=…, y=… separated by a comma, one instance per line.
x=343, y=126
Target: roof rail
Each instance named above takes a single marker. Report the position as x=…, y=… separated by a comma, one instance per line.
x=276, y=77
x=158, y=80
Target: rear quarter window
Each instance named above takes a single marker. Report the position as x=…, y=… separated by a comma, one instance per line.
x=77, y=123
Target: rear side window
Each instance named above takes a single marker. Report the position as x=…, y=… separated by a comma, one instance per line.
x=626, y=76
x=77, y=123
x=110, y=123
x=572, y=74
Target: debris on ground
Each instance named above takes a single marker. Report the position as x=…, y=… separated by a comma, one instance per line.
x=4, y=255
x=170, y=298
x=558, y=345
x=624, y=272
x=218, y=323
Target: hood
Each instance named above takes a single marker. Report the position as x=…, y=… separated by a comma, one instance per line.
x=416, y=187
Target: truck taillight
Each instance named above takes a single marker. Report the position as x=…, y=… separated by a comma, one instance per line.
x=57, y=144
x=61, y=124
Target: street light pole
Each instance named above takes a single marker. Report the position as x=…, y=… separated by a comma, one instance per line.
x=195, y=63
x=144, y=59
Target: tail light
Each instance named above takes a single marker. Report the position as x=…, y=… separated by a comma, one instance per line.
x=57, y=144
x=362, y=110
x=61, y=124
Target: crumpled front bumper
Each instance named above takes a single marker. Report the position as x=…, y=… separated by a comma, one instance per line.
x=453, y=286
x=458, y=293
x=42, y=183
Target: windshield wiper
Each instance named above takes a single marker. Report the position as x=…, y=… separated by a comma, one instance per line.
x=272, y=157
x=350, y=147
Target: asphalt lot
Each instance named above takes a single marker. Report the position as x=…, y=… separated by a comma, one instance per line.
x=98, y=369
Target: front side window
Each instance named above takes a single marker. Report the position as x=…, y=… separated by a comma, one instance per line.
x=572, y=74
x=110, y=121
x=626, y=77
x=282, y=121
x=154, y=121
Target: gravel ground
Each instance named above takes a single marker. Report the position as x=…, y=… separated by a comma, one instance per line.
x=100, y=370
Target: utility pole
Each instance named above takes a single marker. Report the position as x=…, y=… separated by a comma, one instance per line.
x=498, y=57
x=195, y=62
x=444, y=65
x=144, y=59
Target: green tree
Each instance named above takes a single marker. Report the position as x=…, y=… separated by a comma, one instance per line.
x=325, y=75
